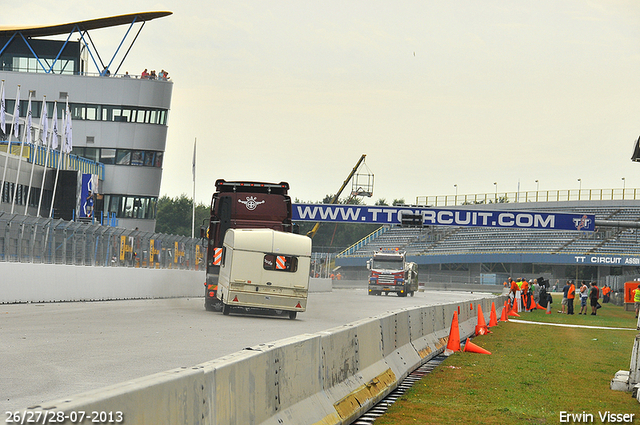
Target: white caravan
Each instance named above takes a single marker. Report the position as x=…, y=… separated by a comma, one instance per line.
x=264, y=269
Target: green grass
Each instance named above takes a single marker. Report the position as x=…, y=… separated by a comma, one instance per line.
x=533, y=373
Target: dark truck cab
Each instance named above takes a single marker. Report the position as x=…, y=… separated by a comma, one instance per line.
x=241, y=205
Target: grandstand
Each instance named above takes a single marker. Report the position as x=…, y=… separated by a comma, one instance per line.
x=556, y=255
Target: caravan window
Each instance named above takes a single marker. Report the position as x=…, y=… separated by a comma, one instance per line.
x=280, y=263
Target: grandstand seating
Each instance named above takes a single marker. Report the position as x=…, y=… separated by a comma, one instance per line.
x=476, y=240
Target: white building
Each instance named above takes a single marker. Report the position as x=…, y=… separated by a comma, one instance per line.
x=119, y=123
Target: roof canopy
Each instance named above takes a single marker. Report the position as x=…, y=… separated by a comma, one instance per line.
x=64, y=29
x=29, y=33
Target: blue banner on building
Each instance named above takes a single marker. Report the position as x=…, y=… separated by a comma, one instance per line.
x=444, y=217
x=88, y=188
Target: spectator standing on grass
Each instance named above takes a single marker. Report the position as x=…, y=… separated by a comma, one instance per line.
x=594, y=293
x=565, y=297
x=525, y=295
x=605, y=293
x=571, y=295
x=636, y=299
x=584, y=296
x=512, y=291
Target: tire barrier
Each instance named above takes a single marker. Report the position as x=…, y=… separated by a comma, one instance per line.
x=329, y=377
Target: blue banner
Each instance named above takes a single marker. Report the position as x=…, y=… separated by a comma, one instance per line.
x=444, y=217
x=88, y=189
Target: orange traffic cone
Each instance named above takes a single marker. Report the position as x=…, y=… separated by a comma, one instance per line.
x=454, y=334
x=503, y=315
x=539, y=307
x=473, y=348
x=493, y=317
x=514, y=310
x=481, y=327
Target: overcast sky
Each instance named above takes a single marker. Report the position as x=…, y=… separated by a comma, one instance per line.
x=435, y=93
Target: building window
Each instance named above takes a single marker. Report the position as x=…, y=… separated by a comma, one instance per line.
x=123, y=157
x=108, y=156
x=131, y=206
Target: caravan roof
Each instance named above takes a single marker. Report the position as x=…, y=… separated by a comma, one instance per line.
x=268, y=240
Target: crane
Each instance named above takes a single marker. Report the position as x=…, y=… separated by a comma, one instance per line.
x=313, y=231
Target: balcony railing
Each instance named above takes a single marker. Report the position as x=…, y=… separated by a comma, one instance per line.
x=531, y=196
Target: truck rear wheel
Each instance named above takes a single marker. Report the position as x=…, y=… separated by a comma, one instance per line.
x=292, y=315
x=225, y=309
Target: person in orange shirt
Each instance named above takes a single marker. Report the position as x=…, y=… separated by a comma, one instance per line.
x=570, y=297
x=512, y=291
x=525, y=295
x=605, y=293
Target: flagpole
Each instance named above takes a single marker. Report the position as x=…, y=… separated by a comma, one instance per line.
x=55, y=182
x=13, y=126
x=34, y=149
x=193, y=169
x=46, y=156
x=24, y=136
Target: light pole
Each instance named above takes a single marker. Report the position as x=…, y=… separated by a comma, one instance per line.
x=580, y=188
x=624, y=186
x=537, y=189
x=455, y=201
x=496, y=185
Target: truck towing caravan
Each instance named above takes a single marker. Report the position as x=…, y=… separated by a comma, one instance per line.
x=241, y=205
x=264, y=269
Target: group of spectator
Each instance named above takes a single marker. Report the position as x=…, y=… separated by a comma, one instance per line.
x=587, y=293
x=162, y=75
x=146, y=75
x=525, y=289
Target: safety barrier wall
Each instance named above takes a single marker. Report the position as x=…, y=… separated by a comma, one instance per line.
x=329, y=377
x=23, y=282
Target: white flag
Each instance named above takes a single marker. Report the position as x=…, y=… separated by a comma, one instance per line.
x=3, y=111
x=29, y=123
x=67, y=146
x=16, y=114
x=44, y=122
x=54, y=129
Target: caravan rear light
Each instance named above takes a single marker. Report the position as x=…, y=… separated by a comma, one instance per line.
x=298, y=305
x=235, y=299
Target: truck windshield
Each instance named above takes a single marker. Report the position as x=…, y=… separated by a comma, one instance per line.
x=387, y=264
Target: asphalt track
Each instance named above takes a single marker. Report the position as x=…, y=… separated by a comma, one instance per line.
x=55, y=350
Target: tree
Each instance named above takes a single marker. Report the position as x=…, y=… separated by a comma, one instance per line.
x=174, y=216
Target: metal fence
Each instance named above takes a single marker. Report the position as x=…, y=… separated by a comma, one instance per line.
x=622, y=194
x=27, y=239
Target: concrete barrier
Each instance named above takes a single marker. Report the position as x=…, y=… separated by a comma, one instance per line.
x=329, y=377
x=26, y=282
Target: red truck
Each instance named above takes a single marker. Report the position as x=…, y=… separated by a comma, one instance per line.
x=391, y=272
x=241, y=205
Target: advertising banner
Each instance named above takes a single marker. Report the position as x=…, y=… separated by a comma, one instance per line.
x=443, y=217
x=88, y=189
